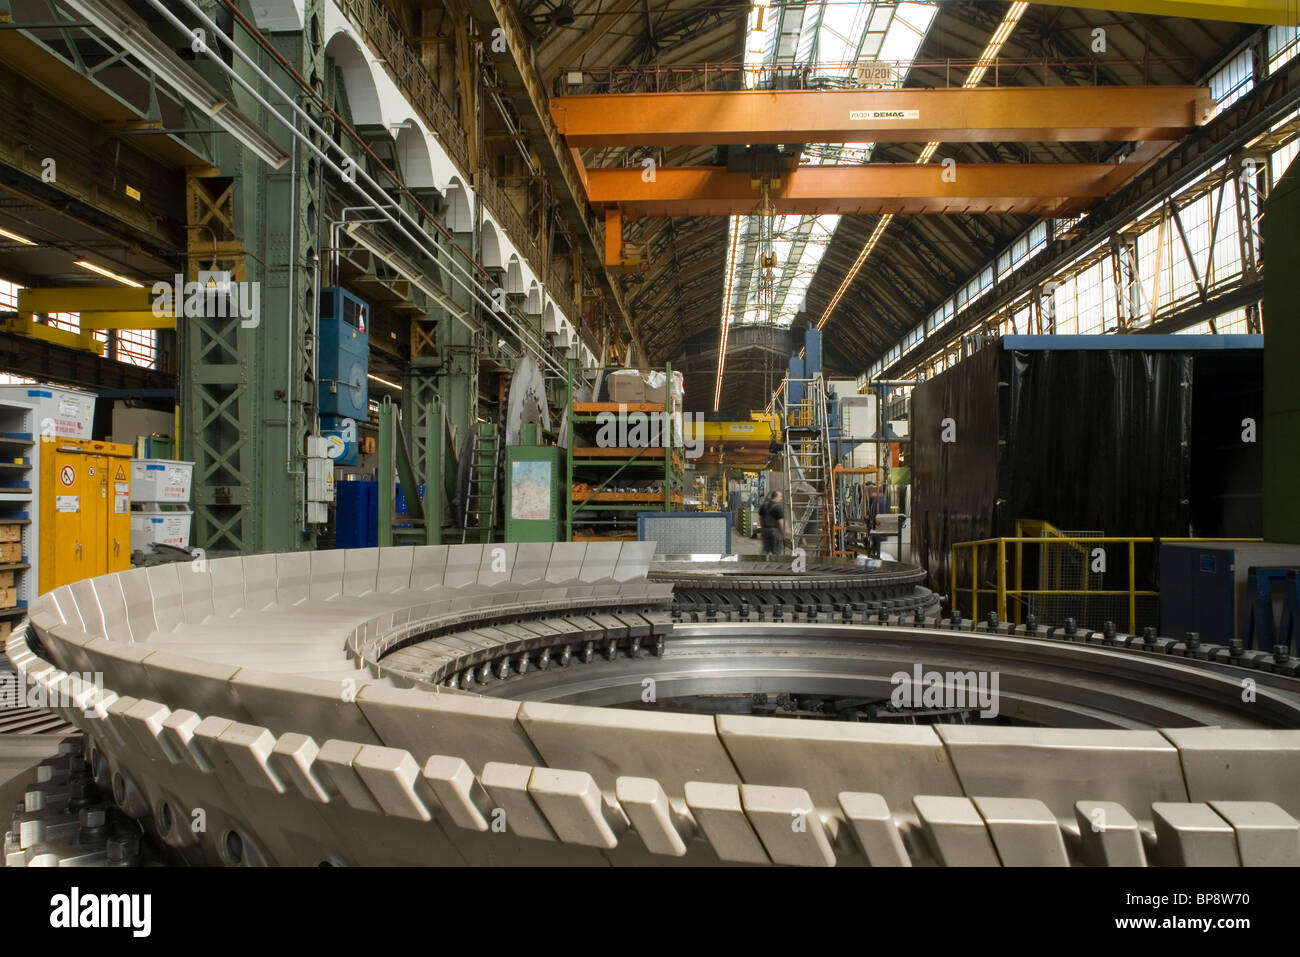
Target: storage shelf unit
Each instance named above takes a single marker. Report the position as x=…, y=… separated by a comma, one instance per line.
x=19, y=458
x=600, y=505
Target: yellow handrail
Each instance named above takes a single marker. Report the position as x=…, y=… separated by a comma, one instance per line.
x=1076, y=541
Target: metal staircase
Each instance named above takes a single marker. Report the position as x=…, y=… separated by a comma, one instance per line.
x=811, y=504
x=480, y=514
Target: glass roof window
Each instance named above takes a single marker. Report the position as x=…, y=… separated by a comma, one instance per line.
x=829, y=44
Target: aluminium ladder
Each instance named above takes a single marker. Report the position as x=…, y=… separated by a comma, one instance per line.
x=810, y=501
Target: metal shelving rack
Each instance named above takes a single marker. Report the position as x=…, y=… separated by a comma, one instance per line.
x=19, y=486
x=601, y=467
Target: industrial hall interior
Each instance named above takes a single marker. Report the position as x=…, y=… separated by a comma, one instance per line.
x=649, y=432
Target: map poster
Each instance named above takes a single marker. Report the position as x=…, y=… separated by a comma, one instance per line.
x=530, y=491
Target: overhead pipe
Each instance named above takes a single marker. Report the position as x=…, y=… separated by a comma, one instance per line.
x=477, y=292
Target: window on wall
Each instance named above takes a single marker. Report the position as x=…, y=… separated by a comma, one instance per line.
x=138, y=347
x=1283, y=156
x=1282, y=45
x=1089, y=297
x=1090, y=308
x=1038, y=239
x=1229, y=324
x=914, y=337
x=1232, y=81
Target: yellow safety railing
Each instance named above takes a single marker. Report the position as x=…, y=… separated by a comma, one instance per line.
x=1012, y=547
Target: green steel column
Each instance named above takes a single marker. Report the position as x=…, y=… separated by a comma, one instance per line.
x=567, y=451
x=249, y=396
x=384, y=474
x=432, y=470
x=457, y=382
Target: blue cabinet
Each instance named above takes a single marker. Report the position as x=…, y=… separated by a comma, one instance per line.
x=343, y=389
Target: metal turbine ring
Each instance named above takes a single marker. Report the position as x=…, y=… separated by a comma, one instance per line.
x=259, y=691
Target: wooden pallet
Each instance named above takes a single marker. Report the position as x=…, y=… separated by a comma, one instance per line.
x=649, y=498
x=652, y=452
x=580, y=536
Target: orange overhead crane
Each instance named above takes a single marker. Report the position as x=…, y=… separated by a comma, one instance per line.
x=1045, y=189
x=1283, y=13
x=950, y=115
x=1152, y=116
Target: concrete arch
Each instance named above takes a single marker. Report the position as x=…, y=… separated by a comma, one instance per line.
x=278, y=15
x=358, y=79
x=533, y=304
x=444, y=170
x=460, y=212
x=515, y=277
x=412, y=148
x=551, y=319
x=491, y=256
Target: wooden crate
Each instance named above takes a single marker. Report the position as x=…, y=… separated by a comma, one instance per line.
x=7, y=579
x=8, y=597
x=11, y=532
x=11, y=553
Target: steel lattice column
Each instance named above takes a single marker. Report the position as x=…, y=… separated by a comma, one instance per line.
x=249, y=395
x=215, y=394
x=444, y=366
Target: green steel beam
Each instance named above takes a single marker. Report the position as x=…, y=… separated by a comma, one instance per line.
x=384, y=473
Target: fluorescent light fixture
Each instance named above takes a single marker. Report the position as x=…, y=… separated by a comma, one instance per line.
x=408, y=271
x=109, y=274
x=870, y=244
x=374, y=378
x=736, y=226
x=16, y=238
x=135, y=36
x=994, y=47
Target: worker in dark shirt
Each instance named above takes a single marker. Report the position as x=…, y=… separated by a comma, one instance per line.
x=772, y=518
x=873, y=506
x=874, y=502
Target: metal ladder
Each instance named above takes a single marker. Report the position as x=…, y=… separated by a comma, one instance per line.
x=479, y=518
x=811, y=504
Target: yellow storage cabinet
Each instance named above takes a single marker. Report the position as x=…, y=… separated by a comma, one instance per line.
x=85, y=526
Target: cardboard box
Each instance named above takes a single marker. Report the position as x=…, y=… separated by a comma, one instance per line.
x=165, y=528
x=8, y=597
x=11, y=552
x=60, y=413
x=7, y=579
x=11, y=532
x=626, y=385
x=131, y=423
x=161, y=480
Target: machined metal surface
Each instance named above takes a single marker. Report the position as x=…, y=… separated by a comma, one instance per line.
x=262, y=691
x=793, y=581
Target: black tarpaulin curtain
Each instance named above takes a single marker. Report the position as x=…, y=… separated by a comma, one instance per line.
x=1095, y=439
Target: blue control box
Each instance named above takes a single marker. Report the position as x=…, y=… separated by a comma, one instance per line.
x=343, y=389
